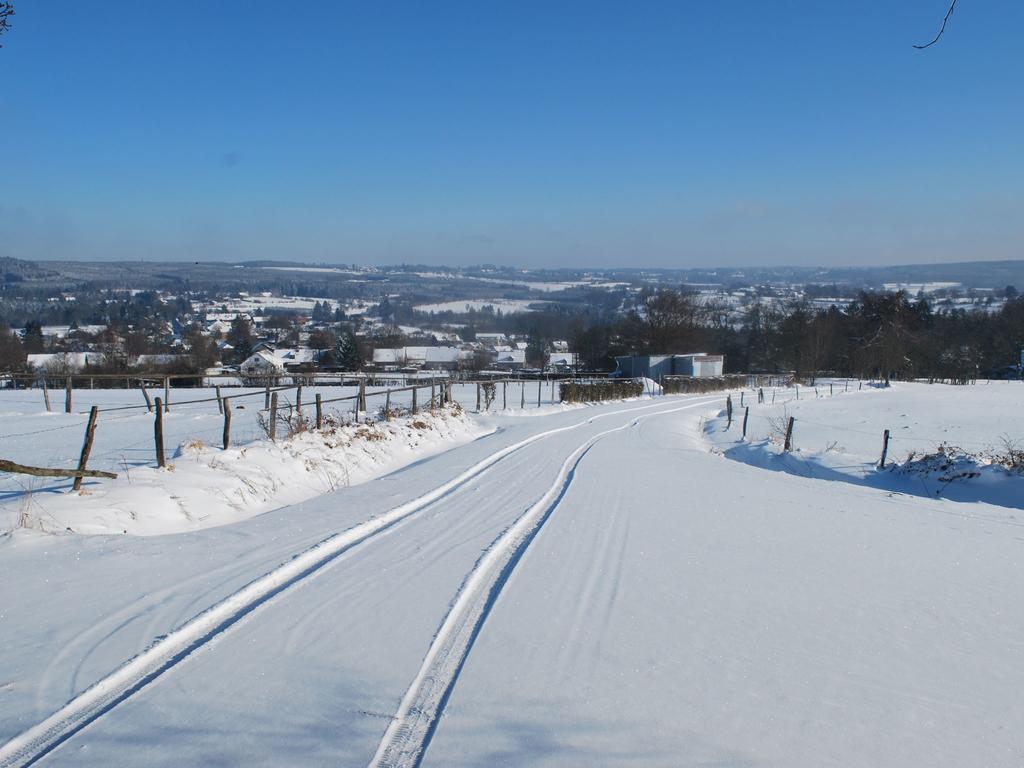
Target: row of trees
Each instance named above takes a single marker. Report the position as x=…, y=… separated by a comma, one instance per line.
x=878, y=335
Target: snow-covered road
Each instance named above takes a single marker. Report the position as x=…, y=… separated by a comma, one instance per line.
x=584, y=588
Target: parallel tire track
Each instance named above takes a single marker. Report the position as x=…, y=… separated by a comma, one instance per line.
x=408, y=735
x=166, y=652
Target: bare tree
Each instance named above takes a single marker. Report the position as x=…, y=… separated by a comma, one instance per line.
x=942, y=29
x=6, y=11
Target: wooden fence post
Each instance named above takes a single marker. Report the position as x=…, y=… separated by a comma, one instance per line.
x=413, y=399
x=319, y=412
x=539, y=382
x=167, y=394
x=220, y=401
x=298, y=401
x=504, y=395
x=478, y=397
x=789, y=435
x=741, y=400
x=522, y=394
x=885, y=449
x=145, y=395
x=266, y=398
x=67, y=394
x=387, y=405
x=90, y=433
x=226, y=405
x=158, y=433
x=728, y=410
x=362, y=395
x=746, y=415
x=273, y=415
x=46, y=395
x=830, y=389
x=433, y=394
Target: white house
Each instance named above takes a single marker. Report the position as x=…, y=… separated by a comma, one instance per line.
x=261, y=364
x=434, y=358
x=510, y=359
x=561, y=361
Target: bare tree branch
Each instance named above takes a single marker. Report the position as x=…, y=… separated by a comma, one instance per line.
x=942, y=29
x=6, y=11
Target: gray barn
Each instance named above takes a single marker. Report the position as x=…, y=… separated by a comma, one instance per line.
x=695, y=364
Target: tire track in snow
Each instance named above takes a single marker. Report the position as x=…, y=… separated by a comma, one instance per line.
x=167, y=651
x=409, y=733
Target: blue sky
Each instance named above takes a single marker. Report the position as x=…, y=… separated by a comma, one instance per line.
x=528, y=133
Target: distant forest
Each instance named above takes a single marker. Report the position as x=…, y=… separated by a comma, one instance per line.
x=880, y=335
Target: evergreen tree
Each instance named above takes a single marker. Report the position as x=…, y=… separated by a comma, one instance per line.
x=347, y=354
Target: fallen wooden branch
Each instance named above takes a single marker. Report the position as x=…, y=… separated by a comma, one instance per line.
x=10, y=466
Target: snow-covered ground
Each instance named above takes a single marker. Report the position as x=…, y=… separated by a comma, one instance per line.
x=505, y=306
x=946, y=442
x=589, y=586
x=204, y=485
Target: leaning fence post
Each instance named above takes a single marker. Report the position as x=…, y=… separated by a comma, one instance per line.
x=158, y=433
x=273, y=416
x=90, y=433
x=145, y=394
x=789, y=435
x=220, y=401
x=746, y=415
x=226, y=405
x=46, y=395
x=885, y=449
x=319, y=412
x=67, y=394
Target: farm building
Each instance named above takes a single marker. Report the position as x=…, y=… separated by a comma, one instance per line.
x=509, y=359
x=695, y=364
x=431, y=358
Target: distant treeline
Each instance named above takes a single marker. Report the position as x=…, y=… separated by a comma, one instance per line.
x=881, y=335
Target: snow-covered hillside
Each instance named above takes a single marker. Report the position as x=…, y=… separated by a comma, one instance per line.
x=594, y=586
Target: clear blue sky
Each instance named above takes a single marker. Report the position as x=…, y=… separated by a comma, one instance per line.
x=530, y=133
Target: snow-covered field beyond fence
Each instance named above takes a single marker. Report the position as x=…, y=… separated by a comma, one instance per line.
x=204, y=485
x=950, y=442
x=621, y=584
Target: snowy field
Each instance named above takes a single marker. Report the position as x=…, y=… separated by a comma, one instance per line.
x=505, y=306
x=619, y=584
x=840, y=438
x=206, y=485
